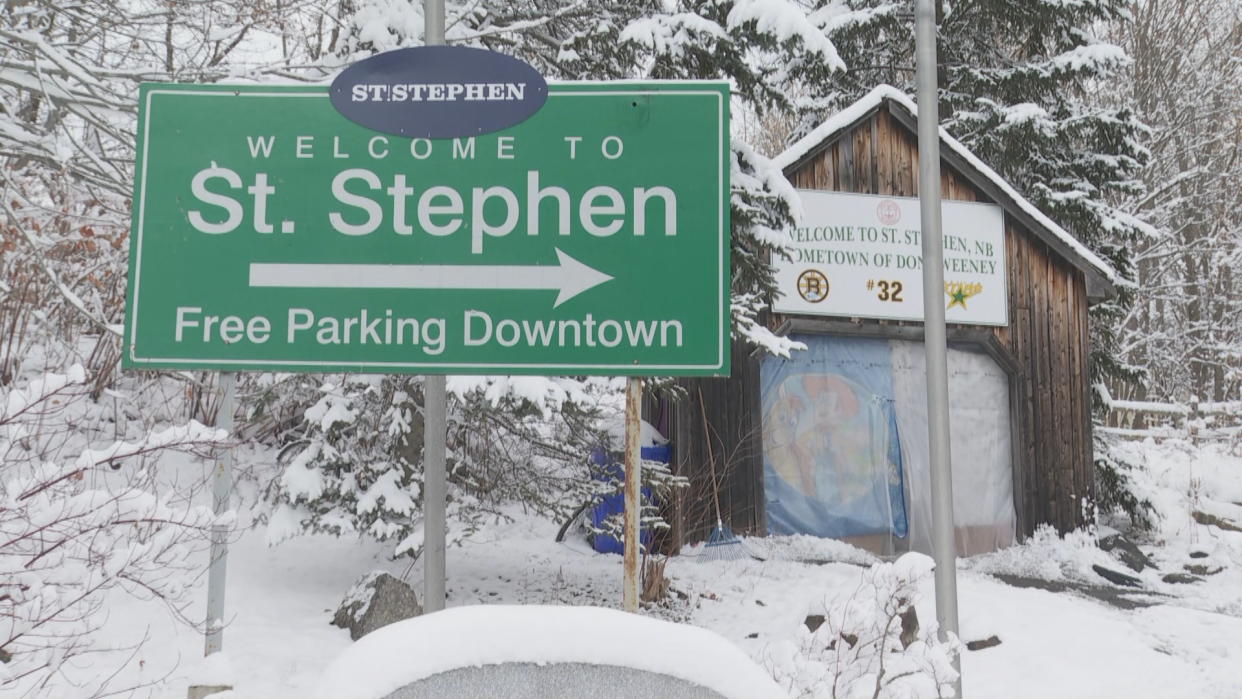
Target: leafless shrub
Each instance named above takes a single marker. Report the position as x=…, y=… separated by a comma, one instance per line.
x=77, y=522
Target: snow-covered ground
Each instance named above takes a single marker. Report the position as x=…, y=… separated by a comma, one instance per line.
x=1053, y=644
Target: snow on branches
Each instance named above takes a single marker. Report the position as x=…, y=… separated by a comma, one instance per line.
x=77, y=522
x=355, y=466
x=866, y=645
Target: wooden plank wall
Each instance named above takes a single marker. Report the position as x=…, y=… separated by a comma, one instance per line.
x=732, y=412
x=1047, y=336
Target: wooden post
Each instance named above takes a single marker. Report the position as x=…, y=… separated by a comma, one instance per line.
x=633, y=478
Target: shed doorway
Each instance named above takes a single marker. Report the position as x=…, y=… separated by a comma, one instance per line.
x=845, y=454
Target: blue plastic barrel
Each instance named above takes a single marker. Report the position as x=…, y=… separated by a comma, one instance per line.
x=612, y=465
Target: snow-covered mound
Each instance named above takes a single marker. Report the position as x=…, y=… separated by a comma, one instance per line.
x=476, y=636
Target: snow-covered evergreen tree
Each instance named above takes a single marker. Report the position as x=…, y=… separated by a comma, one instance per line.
x=1017, y=84
x=354, y=464
x=358, y=473
x=764, y=48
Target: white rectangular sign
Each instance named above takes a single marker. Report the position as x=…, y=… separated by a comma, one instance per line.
x=861, y=256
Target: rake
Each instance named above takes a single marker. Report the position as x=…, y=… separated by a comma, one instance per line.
x=722, y=543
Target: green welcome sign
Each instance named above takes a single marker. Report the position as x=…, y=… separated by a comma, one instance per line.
x=270, y=233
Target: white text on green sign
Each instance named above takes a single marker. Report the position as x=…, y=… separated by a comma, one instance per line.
x=270, y=233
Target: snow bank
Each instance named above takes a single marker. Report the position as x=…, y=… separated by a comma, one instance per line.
x=216, y=670
x=401, y=653
x=809, y=549
x=1047, y=555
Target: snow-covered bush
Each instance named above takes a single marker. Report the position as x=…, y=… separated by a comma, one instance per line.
x=859, y=650
x=357, y=467
x=77, y=522
x=1048, y=555
x=1115, y=490
x=657, y=486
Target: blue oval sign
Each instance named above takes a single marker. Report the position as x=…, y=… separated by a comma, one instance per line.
x=438, y=92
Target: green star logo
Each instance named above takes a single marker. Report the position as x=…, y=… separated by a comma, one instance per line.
x=957, y=297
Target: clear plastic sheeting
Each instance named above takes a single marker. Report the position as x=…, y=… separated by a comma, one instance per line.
x=979, y=440
x=845, y=445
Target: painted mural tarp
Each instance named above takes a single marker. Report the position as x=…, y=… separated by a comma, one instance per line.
x=831, y=453
x=845, y=445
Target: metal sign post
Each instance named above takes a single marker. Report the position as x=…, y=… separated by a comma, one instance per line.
x=633, y=499
x=435, y=423
x=943, y=545
x=221, y=487
x=435, y=491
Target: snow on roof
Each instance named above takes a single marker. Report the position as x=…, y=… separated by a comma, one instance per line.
x=852, y=114
x=398, y=654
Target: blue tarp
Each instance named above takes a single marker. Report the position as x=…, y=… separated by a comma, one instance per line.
x=831, y=453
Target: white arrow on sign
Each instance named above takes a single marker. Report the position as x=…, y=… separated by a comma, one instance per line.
x=570, y=277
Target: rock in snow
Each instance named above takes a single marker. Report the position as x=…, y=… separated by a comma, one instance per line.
x=989, y=642
x=1181, y=579
x=1117, y=578
x=1127, y=552
x=376, y=600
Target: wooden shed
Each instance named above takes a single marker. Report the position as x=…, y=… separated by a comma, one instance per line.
x=1021, y=358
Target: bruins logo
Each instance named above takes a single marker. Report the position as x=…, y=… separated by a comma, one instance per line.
x=813, y=286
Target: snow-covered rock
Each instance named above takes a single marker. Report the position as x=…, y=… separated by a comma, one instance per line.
x=375, y=601
x=537, y=636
